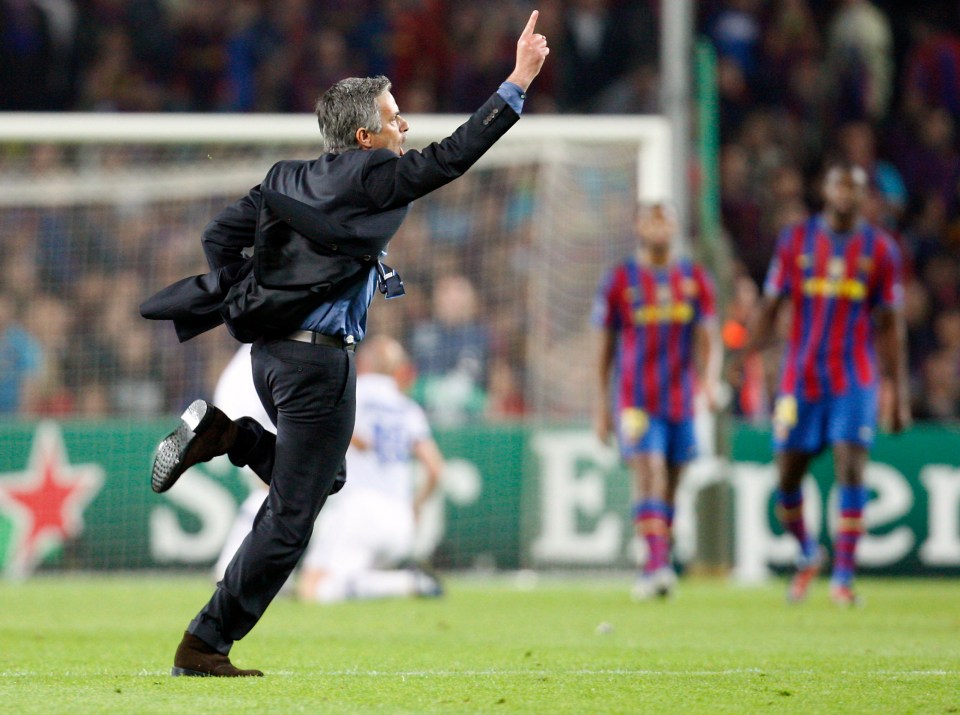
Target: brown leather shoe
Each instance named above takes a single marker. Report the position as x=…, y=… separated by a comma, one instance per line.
x=204, y=433
x=196, y=658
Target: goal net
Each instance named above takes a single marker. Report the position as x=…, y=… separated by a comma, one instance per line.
x=99, y=211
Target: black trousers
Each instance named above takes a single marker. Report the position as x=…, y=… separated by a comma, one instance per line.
x=310, y=392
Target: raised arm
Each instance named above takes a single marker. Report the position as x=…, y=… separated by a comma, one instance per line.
x=392, y=181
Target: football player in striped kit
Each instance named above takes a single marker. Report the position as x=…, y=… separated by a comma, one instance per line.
x=659, y=342
x=840, y=277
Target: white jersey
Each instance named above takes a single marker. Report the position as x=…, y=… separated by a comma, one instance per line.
x=390, y=424
x=371, y=521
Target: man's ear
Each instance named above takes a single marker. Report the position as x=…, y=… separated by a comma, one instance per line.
x=363, y=138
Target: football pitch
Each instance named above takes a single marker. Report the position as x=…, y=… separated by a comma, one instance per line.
x=499, y=645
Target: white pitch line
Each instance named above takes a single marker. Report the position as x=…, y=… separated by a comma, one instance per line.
x=628, y=672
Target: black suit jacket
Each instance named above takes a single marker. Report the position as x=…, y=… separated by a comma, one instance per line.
x=316, y=226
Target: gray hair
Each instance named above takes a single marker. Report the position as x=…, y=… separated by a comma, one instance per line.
x=347, y=106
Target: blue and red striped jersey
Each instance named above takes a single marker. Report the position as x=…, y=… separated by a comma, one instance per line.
x=654, y=311
x=833, y=283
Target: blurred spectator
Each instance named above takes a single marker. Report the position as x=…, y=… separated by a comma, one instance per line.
x=931, y=74
x=736, y=32
x=942, y=278
x=38, y=54
x=21, y=363
x=200, y=64
x=250, y=55
x=419, y=50
x=917, y=312
x=947, y=331
x=48, y=320
x=741, y=211
x=602, y=41
x=450, y=353
x=749, y=382
x=941, y=387
x=478, y=58
x=924, y=236
x=791, y=37
x=928, y=158
x=858, y=145
x=505, y=394
x=859, y=60
x=247, y=45
x=736, y=97
x=136, y=389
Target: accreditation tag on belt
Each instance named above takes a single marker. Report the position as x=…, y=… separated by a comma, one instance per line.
x=389, y=282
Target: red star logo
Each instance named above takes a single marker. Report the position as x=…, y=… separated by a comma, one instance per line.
x=46, y=500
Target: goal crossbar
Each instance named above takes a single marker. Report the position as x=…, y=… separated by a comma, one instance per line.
x=531, y=137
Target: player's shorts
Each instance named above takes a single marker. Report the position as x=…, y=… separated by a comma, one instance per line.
x=361, y=529
x=641, y=433
x=810, y=426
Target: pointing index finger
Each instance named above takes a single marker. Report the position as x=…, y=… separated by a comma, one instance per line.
x=531, y=24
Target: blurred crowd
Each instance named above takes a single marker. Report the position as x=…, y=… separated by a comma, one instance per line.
x=800, y=82
x=277, y=55
x=804, y=82
x=72, y=342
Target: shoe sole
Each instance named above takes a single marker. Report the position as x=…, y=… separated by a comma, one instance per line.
x=186, y=672
x=176, y=672
x=168, y=464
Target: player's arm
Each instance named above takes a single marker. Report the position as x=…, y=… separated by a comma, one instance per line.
x=760, y=336
x=358, y=442
x=708, y=347
x=392, y=181
x=603, y=420
x=890, y=334
x=761, y=333
x=709, y=359
x=777, y=286
x=891, y=344
x=429, y=455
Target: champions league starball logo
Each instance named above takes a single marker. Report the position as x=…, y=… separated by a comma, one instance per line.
x=44, y=503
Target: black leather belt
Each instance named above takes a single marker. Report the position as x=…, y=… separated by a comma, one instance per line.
x=309, y=336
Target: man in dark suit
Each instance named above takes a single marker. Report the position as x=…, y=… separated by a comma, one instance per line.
x=318, y=228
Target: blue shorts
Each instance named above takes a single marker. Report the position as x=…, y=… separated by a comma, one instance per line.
x=810, y=426
x=640, y=433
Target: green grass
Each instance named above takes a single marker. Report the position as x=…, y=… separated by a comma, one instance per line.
x=105, y=645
